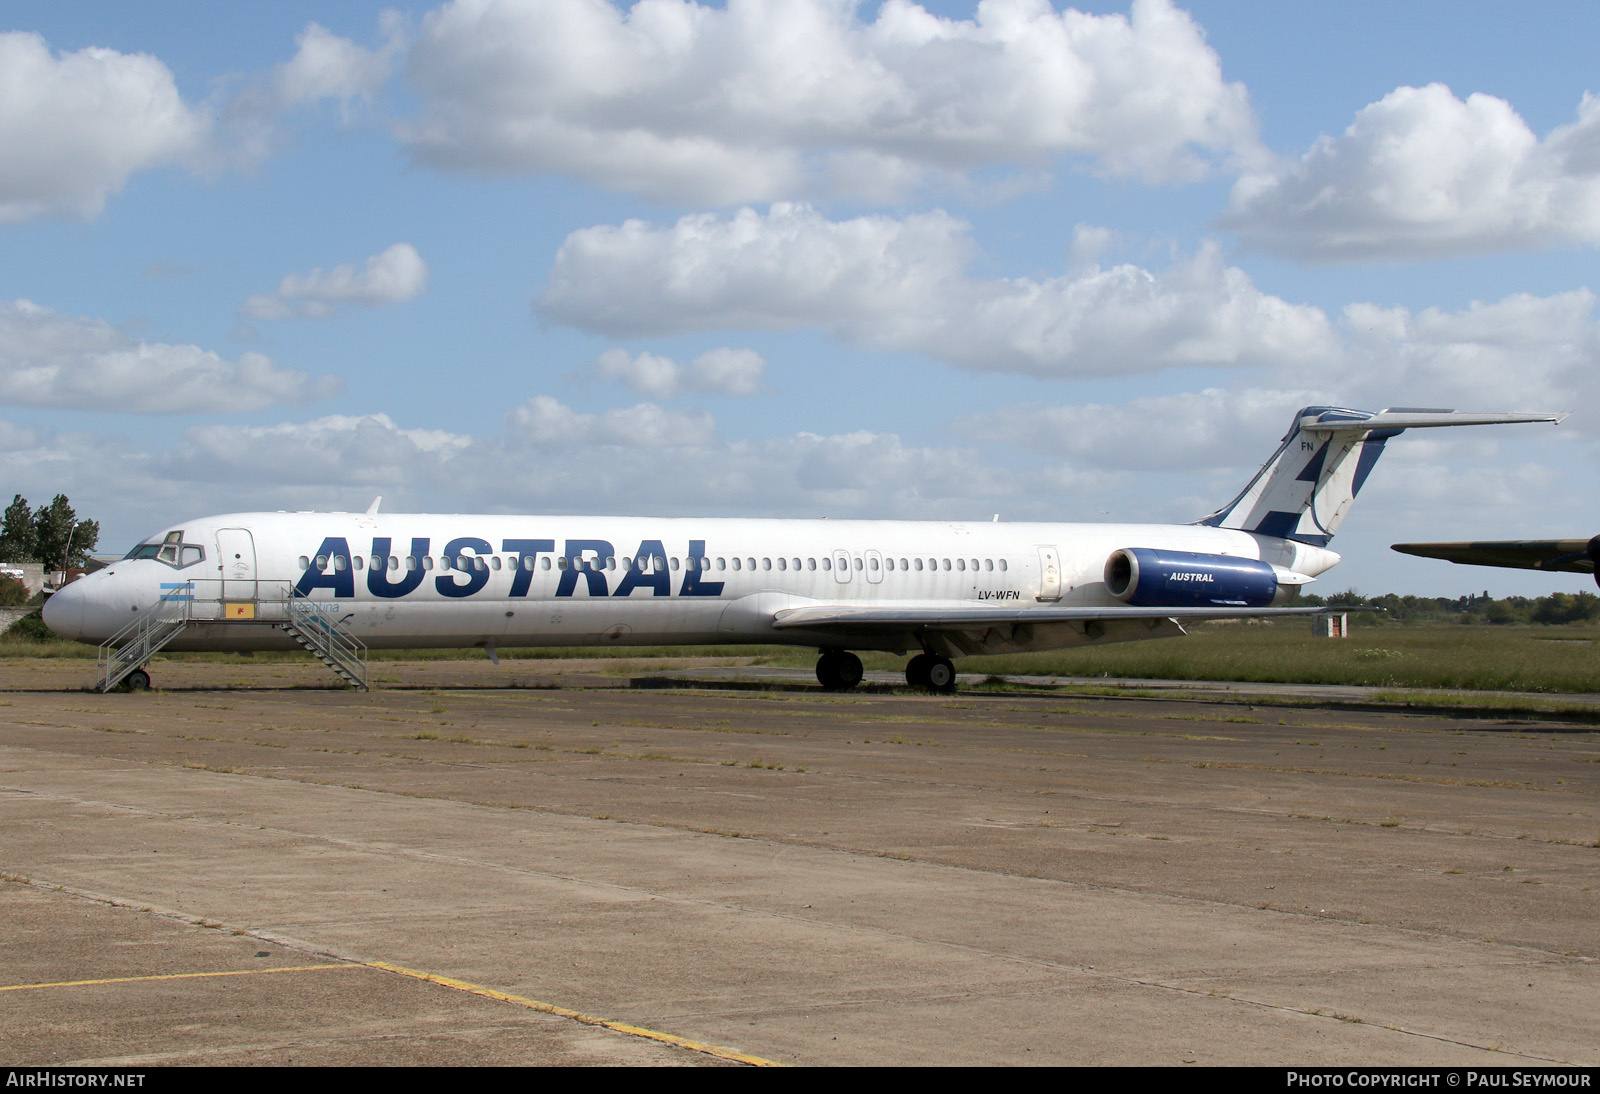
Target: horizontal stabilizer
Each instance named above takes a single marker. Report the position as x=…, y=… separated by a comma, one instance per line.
x=1419, y=419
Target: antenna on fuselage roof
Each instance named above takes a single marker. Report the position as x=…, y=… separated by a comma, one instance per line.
x=372, y=510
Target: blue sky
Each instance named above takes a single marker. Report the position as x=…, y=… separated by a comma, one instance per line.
x=798, y=259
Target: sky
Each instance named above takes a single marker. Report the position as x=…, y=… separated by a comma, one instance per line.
x=800, y=258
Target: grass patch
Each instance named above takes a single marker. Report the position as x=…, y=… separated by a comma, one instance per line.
x=1468, y=658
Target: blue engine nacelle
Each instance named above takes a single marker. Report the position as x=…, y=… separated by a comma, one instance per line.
x=1148, y=578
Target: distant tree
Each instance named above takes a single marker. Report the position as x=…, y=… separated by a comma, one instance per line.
x=61, y=539
x=19, y=542
x=1349, y=598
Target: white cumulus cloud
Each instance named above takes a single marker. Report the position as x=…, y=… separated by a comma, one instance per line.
x=722, y=371
x=48, y=359
x=900, y=284
x=328, y=66
x=543, y=420
x=75, y=126
x=393, y=277
x=767, y=99
x=1422, y=174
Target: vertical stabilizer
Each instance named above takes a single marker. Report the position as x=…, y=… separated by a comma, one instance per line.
x=1304, y=491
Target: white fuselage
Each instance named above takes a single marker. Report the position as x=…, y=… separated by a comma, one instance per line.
x=459, y=580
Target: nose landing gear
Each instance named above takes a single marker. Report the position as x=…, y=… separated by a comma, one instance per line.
x=137, y=680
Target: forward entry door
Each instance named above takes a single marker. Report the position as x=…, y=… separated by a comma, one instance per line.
x=236, y=553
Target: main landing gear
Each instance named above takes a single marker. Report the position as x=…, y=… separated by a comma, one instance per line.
x=928, y=670
x=838, y=670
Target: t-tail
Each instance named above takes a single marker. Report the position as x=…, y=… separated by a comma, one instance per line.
x=1304, y=491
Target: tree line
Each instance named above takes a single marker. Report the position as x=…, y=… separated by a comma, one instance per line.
x=1553, y=610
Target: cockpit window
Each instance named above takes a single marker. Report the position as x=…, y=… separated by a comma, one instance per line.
x=169, y=549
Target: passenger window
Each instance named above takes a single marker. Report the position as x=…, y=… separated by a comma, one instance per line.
x=722, y=563
x=1002, y=565
x=674, y=562
x=736, y=564
x=811, y=564
x=322, y=562
x=495, y=562
x=947, y=564
x=988, y=564
x=340, y=563
x=750, y=563
x=827, y=564
x=544, y=563
x=961, y=564
x=766, y=564
x=919, y=565
x=783, y=564
x=357, y=561
x=858, y=564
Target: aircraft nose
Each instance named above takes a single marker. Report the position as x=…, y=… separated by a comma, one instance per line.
x=63, y=612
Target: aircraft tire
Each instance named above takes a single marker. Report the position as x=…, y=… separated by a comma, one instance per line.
x=941, y=674
x=137, y=680
x=917, y=670
x=839, y=670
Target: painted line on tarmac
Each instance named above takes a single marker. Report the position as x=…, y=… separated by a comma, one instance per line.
x=172, y=976
x=578, y=1016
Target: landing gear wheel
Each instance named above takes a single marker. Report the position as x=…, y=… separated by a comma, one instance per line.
x=941, y=674
x=917, y=670
x=839, y=671
x=137, y=680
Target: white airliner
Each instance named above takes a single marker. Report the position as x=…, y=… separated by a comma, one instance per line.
x=940, y=588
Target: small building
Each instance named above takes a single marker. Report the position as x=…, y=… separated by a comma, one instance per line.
x=1331, y=625
x=31, y=574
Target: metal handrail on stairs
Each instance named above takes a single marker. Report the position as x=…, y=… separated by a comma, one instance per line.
x=134, y=645
x=330, y=643
x=306, y=620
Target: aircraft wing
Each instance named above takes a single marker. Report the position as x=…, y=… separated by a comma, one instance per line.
x=869, y=617
x=1575, y=556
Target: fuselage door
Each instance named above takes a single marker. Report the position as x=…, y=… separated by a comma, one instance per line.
x=236, y=554
x=874, y=567
x=1049, y=574
x=841, y=566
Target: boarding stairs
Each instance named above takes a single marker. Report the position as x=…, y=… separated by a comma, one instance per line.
x=132, y=647
x=193, y=602
x=328, y=641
